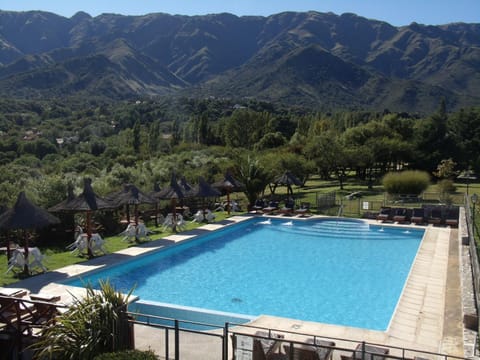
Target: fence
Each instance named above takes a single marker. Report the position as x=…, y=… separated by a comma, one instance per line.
x=359, y=204
x=173, y=339
x=470, y=210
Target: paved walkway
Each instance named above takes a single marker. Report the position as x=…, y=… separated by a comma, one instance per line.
x=428, y=316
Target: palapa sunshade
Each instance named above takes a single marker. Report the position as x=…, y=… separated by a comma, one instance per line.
x=173, y=192
x=186, y=187
x=130, y=195
x=86, y=202
x=26, y=216
x=286, y=179
x=204, y=190
x=229, y=184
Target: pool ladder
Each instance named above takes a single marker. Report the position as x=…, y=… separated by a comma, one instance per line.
x=340, y=211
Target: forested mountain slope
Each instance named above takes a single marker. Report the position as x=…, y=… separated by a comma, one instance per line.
x=318, y=60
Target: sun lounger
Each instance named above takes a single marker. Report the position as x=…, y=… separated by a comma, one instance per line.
x=318, y=350
x=418, y=216
x=261, y=346
x=367, y=352
x=435, y=216
x=384, y=214
x=15, y=292
x=46, y=308
x=288, y=208
x=303, y=210
x=259, y=205
x=29, y=314
x=451, y=217
x=13, y=310
x=400, y=215
x=272, y=207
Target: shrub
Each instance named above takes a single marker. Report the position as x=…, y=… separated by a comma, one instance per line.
x=128, y=355
x=406, y=182
x=93, y=325
x=445, y=188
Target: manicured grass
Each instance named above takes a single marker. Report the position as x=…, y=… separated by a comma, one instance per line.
x=57, y=257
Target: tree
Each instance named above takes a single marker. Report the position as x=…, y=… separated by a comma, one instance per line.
x=252, y=174
x=464, y=130
x=431, y=141
x=270, y=141
x=245, y=128
x=446, y=169
x=136, y=140
x=324, y=150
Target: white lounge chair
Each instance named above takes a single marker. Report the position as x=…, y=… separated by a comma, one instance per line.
x=202, y=215
x=35, y=259
x=138, y=232
x=169, y=222
x=81, y=244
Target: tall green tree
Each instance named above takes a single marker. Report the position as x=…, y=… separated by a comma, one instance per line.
x=136, y=137
x=431, y=141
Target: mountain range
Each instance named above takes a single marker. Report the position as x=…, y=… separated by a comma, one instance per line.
x=317, y=60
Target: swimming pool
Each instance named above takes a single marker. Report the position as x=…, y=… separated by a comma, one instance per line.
x=344, y=272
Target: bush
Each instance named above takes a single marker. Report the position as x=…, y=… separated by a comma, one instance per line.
x=406, y=182
x=128, y=355
x=93, y=325
x=445, y=188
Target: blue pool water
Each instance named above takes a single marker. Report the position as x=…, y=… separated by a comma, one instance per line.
x=343, y=272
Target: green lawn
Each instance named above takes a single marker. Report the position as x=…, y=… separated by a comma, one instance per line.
x=59, y=257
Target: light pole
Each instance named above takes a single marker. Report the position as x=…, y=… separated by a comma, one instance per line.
x=468, y=176
x=474, y=202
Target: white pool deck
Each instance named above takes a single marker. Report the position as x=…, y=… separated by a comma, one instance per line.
x=429, y=315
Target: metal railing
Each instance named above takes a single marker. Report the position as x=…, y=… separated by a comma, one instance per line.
x=365, y=203
x=173, y=339
x=470, y=208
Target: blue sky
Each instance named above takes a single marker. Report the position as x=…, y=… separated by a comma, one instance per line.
x=395, y=12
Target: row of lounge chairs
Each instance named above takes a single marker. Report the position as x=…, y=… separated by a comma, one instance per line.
x=24, y=315
x=273, y=207
x=436, y=215
x=271, y=345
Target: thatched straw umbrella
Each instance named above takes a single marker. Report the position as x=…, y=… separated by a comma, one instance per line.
x=286, y=179
x=130, y=195
x=26, y=216
x=173, y=192
x=204, y=190
x=229, y=184
x=86, y=202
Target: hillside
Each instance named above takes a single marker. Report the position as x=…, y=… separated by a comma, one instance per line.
x=318, y=60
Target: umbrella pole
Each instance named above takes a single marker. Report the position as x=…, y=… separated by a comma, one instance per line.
x=136, y=221
x=136, y=214
x=25, y=253
x=174, y=205
x=89, y=234
x=9, y=251
x=228, y=202
x=156, y=214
